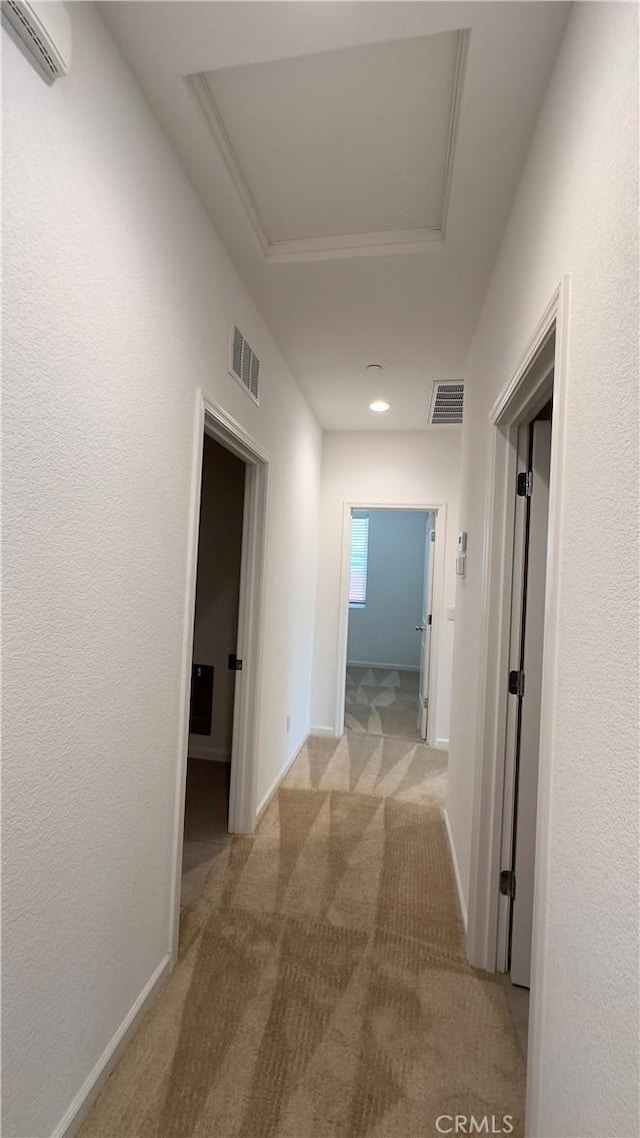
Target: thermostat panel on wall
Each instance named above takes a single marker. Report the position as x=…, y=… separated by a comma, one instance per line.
x=461, y=554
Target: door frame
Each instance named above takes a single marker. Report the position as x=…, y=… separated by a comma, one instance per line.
x=524, y=713
x=521, y=398
x=511, y=725
x=427, y=612
x=440, y=512
x=211, y=419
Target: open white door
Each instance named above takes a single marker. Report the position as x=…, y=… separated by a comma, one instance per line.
x=530, y=696
x=424, y=628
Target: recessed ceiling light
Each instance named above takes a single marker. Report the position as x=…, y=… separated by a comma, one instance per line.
x=379, y=405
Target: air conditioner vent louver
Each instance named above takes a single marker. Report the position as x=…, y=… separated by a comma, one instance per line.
x=244, y=364
x=45, y=29
x=446, y=404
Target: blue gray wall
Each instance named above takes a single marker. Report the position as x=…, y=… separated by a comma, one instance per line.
x=384, y=632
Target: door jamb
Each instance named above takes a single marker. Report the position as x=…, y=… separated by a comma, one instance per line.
x=520, y=399
x=440, y=512
x=516, y=544
x=211, y=419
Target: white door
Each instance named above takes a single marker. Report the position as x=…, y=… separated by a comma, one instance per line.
x=424, y=628
x=528, y=745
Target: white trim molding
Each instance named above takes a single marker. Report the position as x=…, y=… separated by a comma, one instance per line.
x=397, y=241
x=198, y=749
x=456, y=869
x=266, y=799
x=93, y=1084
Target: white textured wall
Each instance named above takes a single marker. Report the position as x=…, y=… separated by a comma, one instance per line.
x=576, y=212
x=118, y=299
x=412, y=468
x=384, y=631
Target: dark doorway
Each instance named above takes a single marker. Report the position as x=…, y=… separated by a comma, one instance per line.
x=213, y=675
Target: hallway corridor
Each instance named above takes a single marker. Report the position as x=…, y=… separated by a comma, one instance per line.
x=322, y=988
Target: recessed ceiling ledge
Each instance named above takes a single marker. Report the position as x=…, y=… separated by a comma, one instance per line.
x=354, y=245
x=378, y=242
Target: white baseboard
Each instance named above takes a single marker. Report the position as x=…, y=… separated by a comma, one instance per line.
x=200, y=749
x=442, y=744
x=389, y=667
x=93, y=1084
x=323, y=732
x=262, y=806
x=456, y=869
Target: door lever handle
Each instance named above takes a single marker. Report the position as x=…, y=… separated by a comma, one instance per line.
x=421, y=627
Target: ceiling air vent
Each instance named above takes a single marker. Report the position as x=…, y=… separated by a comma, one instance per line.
x=244, y=364
x=446, y=404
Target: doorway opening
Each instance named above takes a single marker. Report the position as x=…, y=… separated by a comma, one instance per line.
x=389, y=625
x=221, y=651
x=214, y=667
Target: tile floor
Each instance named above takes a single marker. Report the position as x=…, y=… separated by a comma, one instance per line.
x=205, y=824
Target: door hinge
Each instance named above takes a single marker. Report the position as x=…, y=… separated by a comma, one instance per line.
x=425, y=702
x=525, y=484
x=433, y=535
x=235, y=665
x=508, y=883
x=516, y=684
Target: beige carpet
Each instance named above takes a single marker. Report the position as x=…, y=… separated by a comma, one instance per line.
x=206, y=817
x=380, y=701
x=322, y=989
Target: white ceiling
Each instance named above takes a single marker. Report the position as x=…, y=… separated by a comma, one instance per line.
x=343, y=142
x=359, y=161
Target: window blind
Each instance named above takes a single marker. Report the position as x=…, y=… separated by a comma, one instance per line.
x=358, y=559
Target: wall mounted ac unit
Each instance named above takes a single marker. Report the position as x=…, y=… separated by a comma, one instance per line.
x=45, y=30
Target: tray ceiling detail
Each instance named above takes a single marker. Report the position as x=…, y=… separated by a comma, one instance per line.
x=341, y=153
x=278, y=80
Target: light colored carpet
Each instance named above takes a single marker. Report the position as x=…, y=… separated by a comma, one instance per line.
x=322, y=989
x=379, y=701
